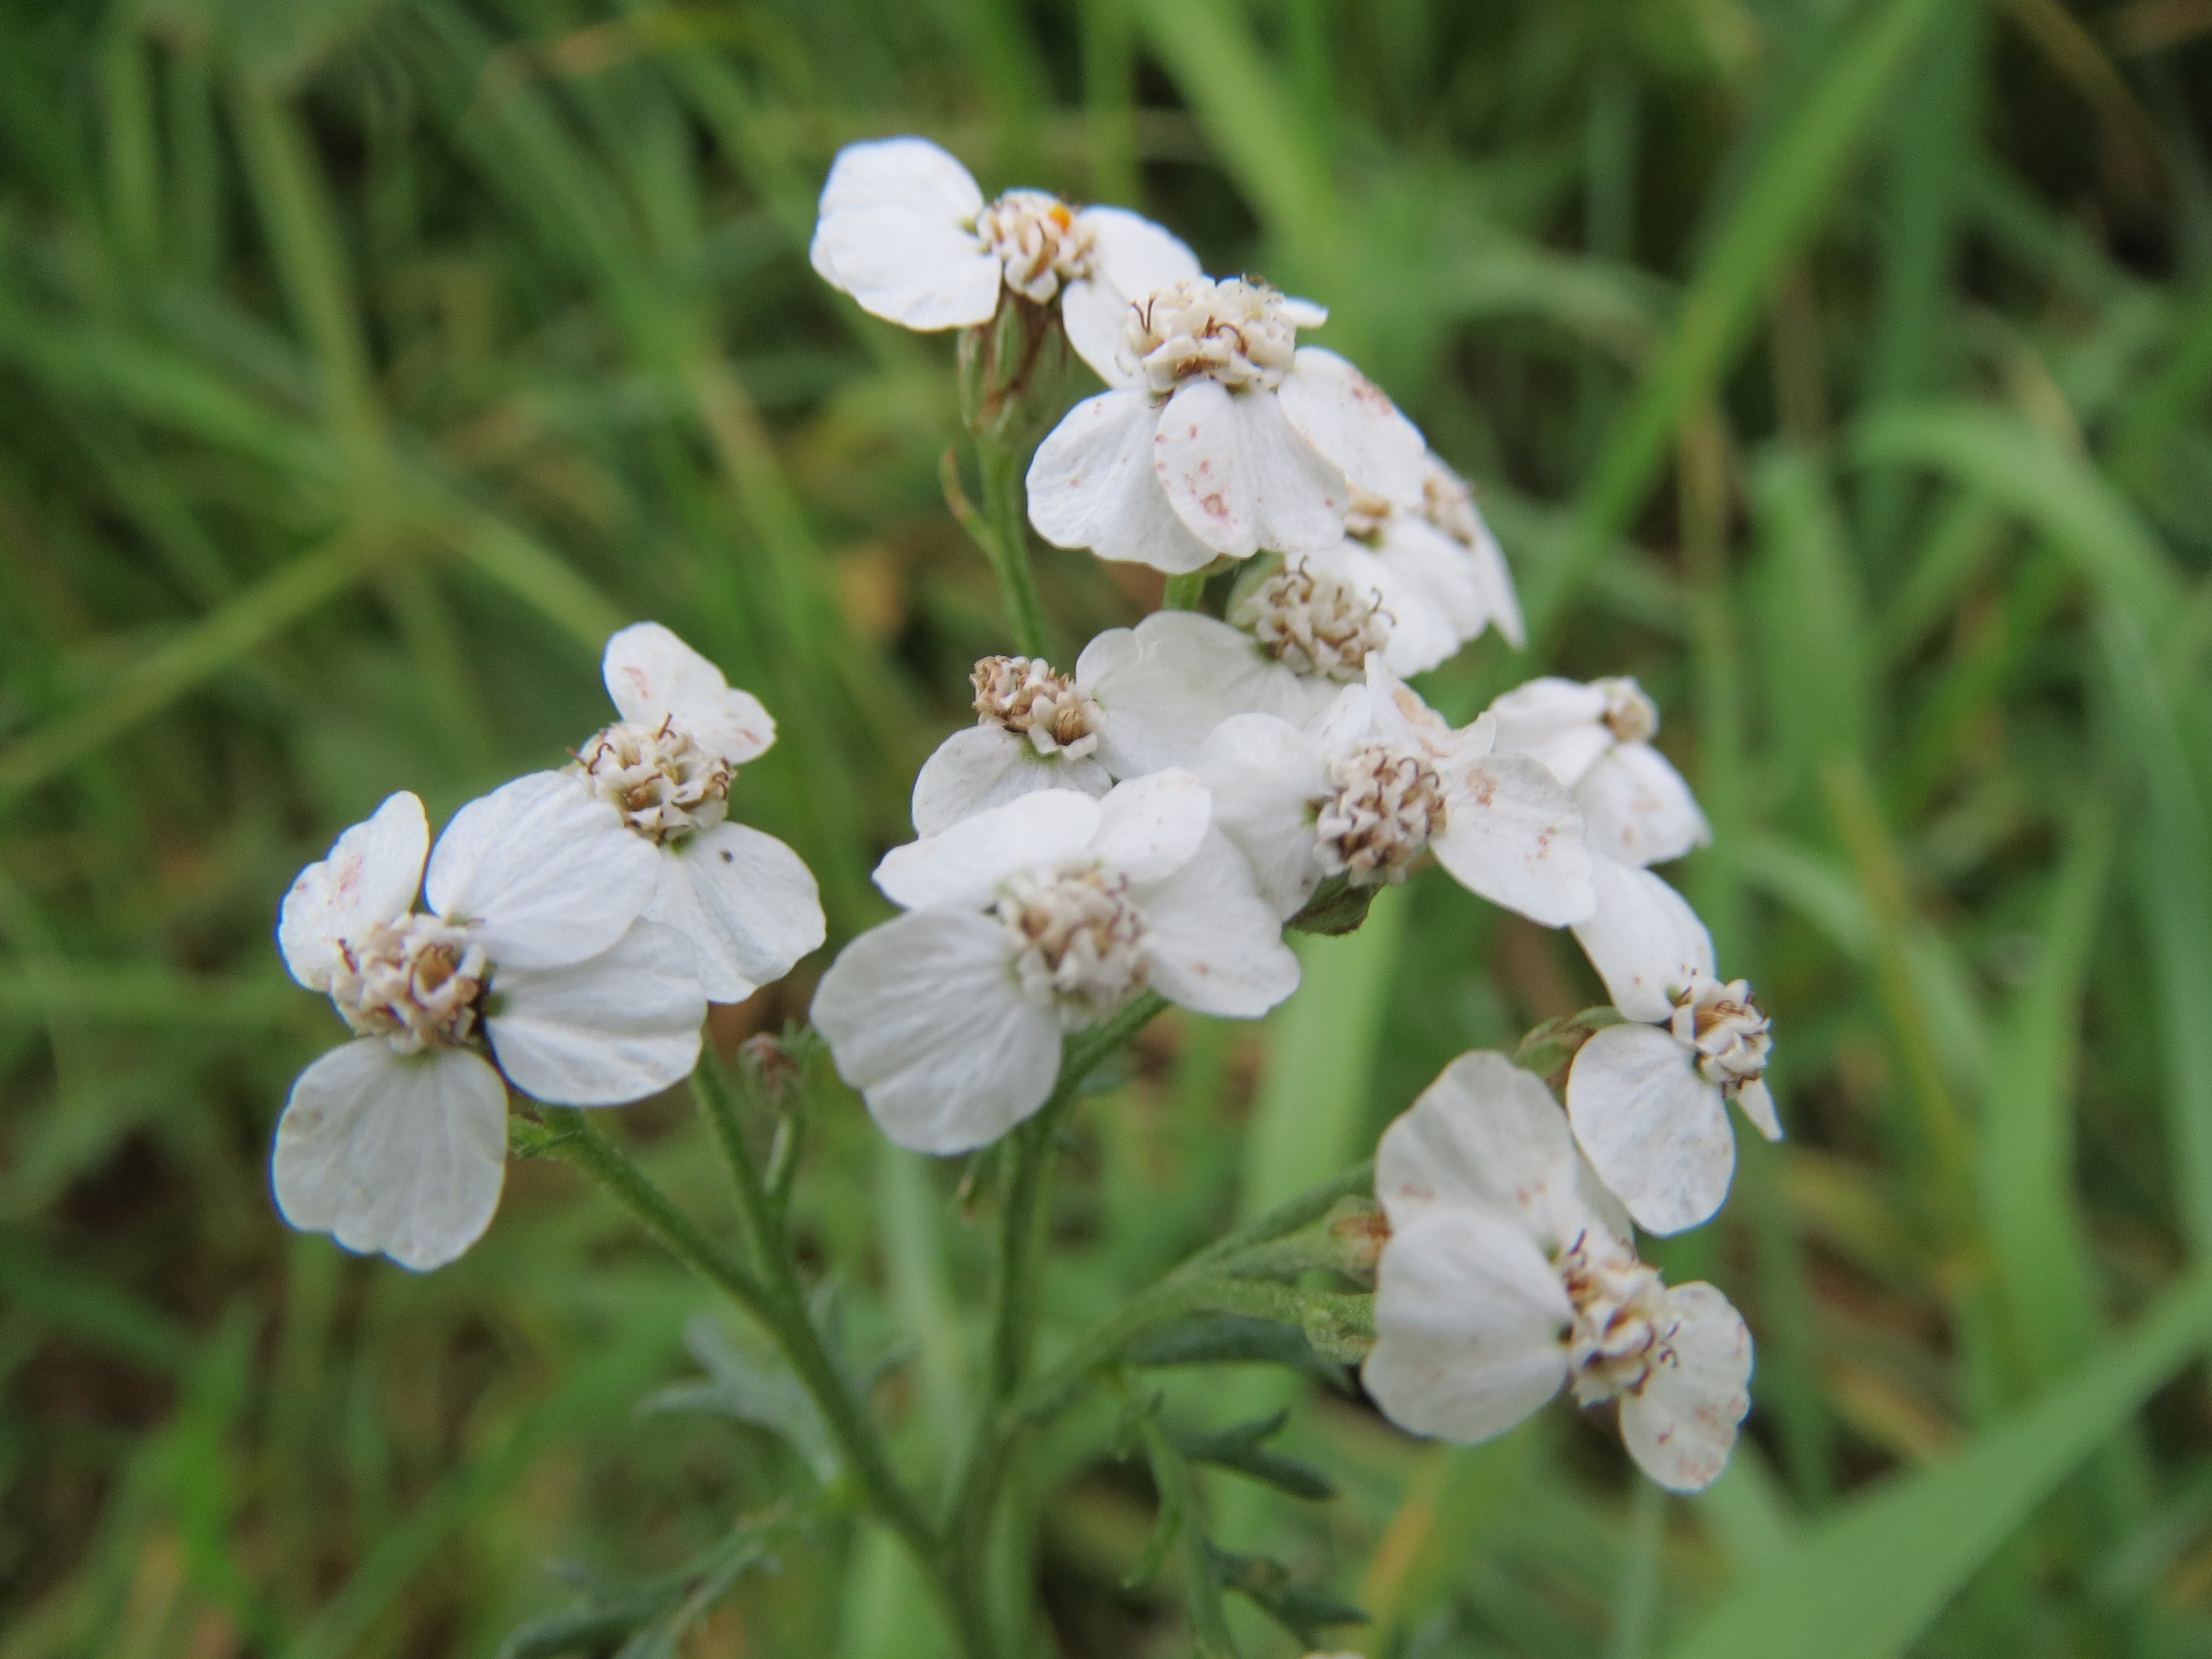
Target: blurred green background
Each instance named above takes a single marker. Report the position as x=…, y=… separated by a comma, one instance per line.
x=1838, y=366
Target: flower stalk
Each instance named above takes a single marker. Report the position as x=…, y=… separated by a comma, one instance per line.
x=1006, y=514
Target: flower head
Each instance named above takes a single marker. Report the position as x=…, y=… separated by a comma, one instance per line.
x=1035, y=729
x=905, y=230
x=1596, y=740
x=1378, y=779
x=745, y=900
x=1648, y=1098
x=1509, y=1275
x=1028, y=920
x=530, y=965
x=1221, y=435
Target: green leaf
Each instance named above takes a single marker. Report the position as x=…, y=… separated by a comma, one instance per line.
x=1867, y=1582
x=1229, y=1339
x=752, y=1384
x=653, y=1615
x=1301, y=1609
x=1242, y=1447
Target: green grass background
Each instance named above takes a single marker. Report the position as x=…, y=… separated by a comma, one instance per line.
x=1838, y=366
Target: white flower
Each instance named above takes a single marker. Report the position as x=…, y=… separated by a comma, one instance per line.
x=906, y=231
x=745, y=900
x=1032, y=920
x=1508, y=1277
x=1649, y=1099
x=1220, y=434
x=1596, y=740
x=397, y=1141
x=1414, y=581
x=1035, y=729
x=1141, y=699
x=1378, y=779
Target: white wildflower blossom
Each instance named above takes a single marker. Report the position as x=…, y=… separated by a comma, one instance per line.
x=905, y=230
x=1140, y=699
x=1509, y=1275
x=1029, y=920
x=531, y=949
x=1378, y=779
x=1035, y=729
x=746, y=901
x=1429, y=570
x=1649, y=1099
x=1219, y=435
x=1597, y=738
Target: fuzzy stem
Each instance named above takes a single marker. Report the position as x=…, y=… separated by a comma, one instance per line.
x=1014, y=1286
x=1006, y=509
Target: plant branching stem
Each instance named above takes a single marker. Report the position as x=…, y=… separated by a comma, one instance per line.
x=775, y=1303
x=768, y=1290
x=1005, y=511
x=1185, y=593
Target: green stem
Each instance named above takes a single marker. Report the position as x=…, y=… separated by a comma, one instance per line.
x=975, y=1493
x=710, y=1087
x=779, y=1308
x=1006, y=509
x=1185, y=593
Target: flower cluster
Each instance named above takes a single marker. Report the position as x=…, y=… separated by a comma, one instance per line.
x=577, y=924
x=1152, y=818
x=1137, y=828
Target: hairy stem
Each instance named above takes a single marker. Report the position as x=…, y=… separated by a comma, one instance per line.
x=776, y=1303
x=1206, y=1283
x=1014, y=1285
x=1006, y=509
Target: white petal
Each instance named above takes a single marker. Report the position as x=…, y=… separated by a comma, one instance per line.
x=1409, y=544
x=1654, y=1130
x=1215, y=945
x=1424, y=629
x=370, y=875
x=1645, y=940
x=1093, y=313
x=1305, y=313
x=1348, y=418
x=1353, y=715
x=401, y=1153
x=1240, y=478
x=897, y=233
x=1469, y=1316
x=1489, y=1134
x=747, y=902
x=906, y=171
x=962, y=866
x=923, y=1015
x=1130, y=257
x=654, y=676
x=1264, y=776
x=1514, y=836
x=1560, y=722
x=1681, y=1427
x=1756, y=1101
x=1166, y=683
x=1092, y=484
x=623, y=1025
x=986, y=766
x=1135, y=255
x=554, y=875
x=1495, y=579
x=1149, y=827
x=1637, y=808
